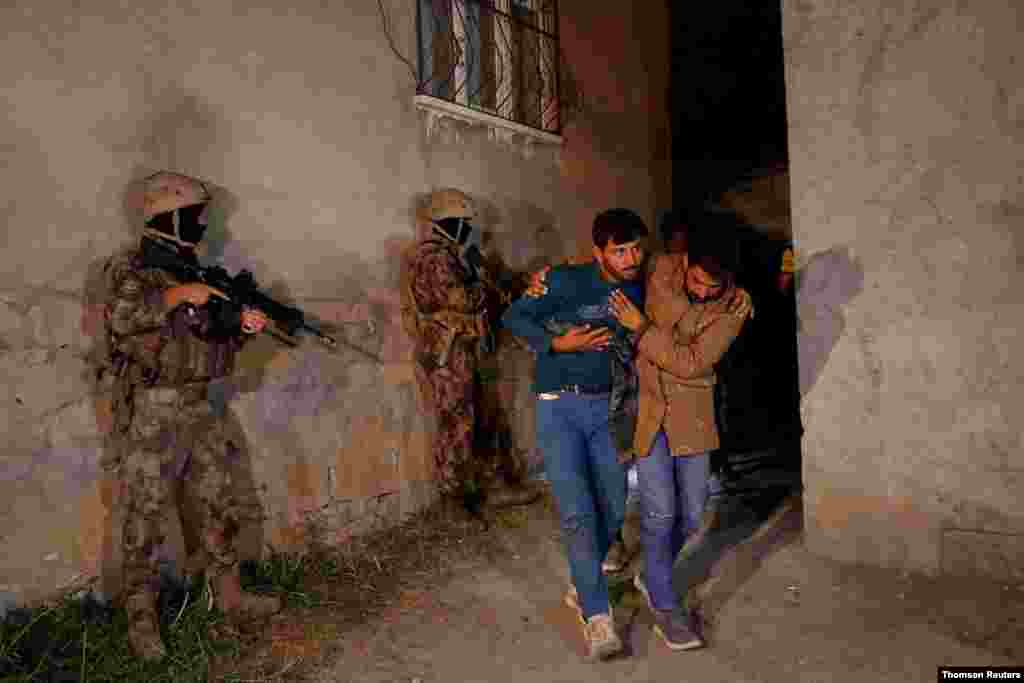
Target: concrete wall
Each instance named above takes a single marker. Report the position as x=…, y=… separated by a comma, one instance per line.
x=906, y=139
x=303, y=120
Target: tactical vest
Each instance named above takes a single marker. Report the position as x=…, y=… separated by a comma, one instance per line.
x=414, y=319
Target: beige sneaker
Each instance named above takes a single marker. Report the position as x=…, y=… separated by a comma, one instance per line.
x=602, y=640
x=618, y=557
x=572, y=599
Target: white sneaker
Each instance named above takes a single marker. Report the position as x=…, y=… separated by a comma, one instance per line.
x=617, y=559
x=602, y=640
x=572, y=599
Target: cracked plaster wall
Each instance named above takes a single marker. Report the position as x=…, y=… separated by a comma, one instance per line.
x=906, y=137
x=302, y=120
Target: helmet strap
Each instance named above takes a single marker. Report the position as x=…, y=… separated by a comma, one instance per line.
x=464, y=230
x=176, y=218
x=455, y=230
x=161, y=235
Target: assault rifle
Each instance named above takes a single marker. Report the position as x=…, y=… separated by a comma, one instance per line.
x=240, y=290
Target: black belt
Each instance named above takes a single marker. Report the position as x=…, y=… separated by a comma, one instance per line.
x=585, y=388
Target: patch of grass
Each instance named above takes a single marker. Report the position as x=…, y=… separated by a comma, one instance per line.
x=513, y=518
x=82, y=640
x=288, y=575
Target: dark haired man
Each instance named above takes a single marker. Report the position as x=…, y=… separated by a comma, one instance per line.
x=573, y=383
x=675, y=231
x=693, y=313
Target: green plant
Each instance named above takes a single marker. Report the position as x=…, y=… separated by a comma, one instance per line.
x=79, y=639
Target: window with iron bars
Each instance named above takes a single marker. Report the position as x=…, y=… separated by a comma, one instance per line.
x=496, y=56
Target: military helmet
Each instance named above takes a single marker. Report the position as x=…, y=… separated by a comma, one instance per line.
x=450, y=203
x=174, y=207
x=451, y=211
x=166, y=191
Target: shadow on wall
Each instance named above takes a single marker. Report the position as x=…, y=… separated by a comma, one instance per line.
x=522, y=239
x=829, y=280
x=185, y=133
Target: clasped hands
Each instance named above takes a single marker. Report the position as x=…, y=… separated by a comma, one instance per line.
x=197, y=294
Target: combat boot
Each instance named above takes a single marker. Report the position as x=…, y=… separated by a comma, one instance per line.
x=239, y=605
x=510, y=495
x=144, y=627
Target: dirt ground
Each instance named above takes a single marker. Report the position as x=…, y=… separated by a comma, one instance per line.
x=489, y=609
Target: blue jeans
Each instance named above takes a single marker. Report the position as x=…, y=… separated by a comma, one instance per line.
x=673, y=491
x=589, y=486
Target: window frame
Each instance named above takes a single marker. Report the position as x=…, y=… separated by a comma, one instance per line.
x=506, y=98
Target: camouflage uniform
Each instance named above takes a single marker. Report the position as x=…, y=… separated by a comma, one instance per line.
x=448, y=298
x=166, y=430
x=452, y=322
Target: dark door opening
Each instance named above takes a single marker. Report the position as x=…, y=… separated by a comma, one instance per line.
x=730, y=152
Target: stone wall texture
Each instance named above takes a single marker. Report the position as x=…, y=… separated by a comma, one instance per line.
x=303, y=120
x=906, y=134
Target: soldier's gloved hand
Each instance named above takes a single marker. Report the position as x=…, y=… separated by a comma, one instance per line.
x=537, y=288
x=253, y=321
x=195, y=293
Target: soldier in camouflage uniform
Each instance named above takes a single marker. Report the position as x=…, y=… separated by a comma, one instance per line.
x=449, y=302
x=164, y=351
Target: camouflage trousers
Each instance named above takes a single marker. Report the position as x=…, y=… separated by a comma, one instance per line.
x=450, y=391
x=175, y=441
x=465, y=449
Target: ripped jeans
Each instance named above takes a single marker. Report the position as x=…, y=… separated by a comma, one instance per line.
x=673, y=491
x=589, y=485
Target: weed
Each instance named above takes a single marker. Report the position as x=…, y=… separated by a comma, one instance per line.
x=80, y=639
x=284, y=573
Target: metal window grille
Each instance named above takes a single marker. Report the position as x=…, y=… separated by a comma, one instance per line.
x=496, y=56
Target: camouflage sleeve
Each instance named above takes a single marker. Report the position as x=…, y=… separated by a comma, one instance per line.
x=135, y=305
x=437, y=284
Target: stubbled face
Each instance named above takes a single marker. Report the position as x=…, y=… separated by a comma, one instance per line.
x=621, y=262
x=701, y=287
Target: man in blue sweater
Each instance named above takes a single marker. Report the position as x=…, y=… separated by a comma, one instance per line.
x=573, y=384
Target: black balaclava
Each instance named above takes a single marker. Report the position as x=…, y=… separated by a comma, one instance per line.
x=462, y=233
x=187, y=223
